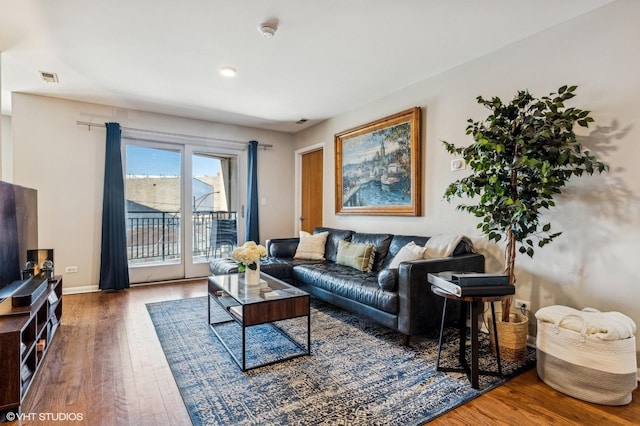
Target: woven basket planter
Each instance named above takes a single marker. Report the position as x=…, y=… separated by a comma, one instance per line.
x=512, y=336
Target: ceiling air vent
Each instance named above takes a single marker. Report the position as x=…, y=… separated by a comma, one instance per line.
x=49, y=77
x=302, y=121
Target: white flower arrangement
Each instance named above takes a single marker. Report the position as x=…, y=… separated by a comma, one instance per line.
x=248, y=255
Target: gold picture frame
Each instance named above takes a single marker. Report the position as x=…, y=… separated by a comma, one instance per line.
x=379, y=167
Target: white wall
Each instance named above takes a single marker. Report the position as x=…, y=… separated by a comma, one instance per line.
x=594, y=262
x=65, y=163
x=6, y=149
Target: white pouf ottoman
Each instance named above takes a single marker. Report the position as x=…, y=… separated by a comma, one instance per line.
x=588, y=354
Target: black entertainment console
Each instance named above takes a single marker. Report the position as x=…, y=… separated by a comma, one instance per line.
x=25, y=337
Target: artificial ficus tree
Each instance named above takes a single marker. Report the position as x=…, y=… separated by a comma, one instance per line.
x=521, y=157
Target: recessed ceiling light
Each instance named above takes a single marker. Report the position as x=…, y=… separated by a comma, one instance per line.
x=49, y=77
x=228, y=71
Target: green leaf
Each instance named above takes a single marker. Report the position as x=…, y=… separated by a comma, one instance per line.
x=522, y=154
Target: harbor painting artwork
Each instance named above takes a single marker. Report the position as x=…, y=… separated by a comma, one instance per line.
x=378, y=167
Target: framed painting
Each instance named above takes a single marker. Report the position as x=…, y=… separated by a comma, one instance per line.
x=378, y=167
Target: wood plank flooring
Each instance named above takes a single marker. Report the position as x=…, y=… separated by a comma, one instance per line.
x=106, y=365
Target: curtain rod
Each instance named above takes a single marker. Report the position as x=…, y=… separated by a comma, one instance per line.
x=158, y=132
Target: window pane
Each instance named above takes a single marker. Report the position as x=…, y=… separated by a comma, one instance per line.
x=214, y=227
x=153, y=194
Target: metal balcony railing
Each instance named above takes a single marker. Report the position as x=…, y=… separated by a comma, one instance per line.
x=155, y=236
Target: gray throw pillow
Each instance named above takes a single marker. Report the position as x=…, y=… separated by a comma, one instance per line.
x=388, y=279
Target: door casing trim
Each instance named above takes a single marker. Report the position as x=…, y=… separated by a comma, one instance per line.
x=298, y=181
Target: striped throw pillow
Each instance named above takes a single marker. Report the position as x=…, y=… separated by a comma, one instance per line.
x=355, y=255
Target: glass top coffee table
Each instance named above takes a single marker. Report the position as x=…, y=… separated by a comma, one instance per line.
x=274, y=301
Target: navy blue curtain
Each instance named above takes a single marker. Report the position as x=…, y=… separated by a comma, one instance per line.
x=252, y=229
x=114, y=269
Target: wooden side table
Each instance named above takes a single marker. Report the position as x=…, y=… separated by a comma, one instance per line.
x=473, y=305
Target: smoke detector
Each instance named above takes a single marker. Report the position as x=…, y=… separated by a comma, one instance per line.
x=268, y=29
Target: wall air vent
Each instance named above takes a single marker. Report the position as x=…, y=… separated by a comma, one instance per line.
x=302, y=121
x=49, y=77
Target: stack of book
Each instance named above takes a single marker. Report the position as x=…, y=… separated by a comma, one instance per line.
x=464, y=284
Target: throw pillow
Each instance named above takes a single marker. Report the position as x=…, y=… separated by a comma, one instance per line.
x=356, y=255
x=388, y=279
x=440, y=246
x=411, y=251
x=311, y=246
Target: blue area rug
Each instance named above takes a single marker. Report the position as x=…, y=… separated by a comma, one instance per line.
x=358, y=373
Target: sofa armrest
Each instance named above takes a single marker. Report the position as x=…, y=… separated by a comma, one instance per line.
x=282, y=247
x=420, y=309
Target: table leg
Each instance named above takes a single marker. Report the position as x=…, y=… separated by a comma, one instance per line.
x=244, y=352
x=495, y=335
x=476, y=310
x=462, y=329
x=444, y=312
x=309, y=333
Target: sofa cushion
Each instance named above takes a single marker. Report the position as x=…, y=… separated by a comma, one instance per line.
x=311, y=246
x=345, y=281
x=411, y=251
x=282, y=247
x=277, y=267
x=335, y=235
x=464, y=246
x=223, y=266
x=358, y=256
x=380, y=246
x=399, y=241
x=388, y=279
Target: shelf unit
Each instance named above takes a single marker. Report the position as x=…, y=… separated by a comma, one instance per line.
x=25, y=336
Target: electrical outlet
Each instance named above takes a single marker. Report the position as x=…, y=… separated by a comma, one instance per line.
x=522, y=304
x=71, y=269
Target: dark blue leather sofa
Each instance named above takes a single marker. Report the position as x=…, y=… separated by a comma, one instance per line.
x=408, y=306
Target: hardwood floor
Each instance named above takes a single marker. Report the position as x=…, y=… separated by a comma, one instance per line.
x=106, y=366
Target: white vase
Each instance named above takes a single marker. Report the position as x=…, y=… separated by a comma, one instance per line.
x=251, y=276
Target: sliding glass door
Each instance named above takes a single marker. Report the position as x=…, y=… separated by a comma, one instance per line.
x=214, y=219
x=180, y=203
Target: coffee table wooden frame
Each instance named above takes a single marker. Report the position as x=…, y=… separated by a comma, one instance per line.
x=227, y=291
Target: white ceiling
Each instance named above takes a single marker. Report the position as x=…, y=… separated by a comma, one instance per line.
x=328, y=56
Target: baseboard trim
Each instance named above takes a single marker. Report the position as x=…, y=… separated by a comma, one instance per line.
x=78, y=290
x=95, y=288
